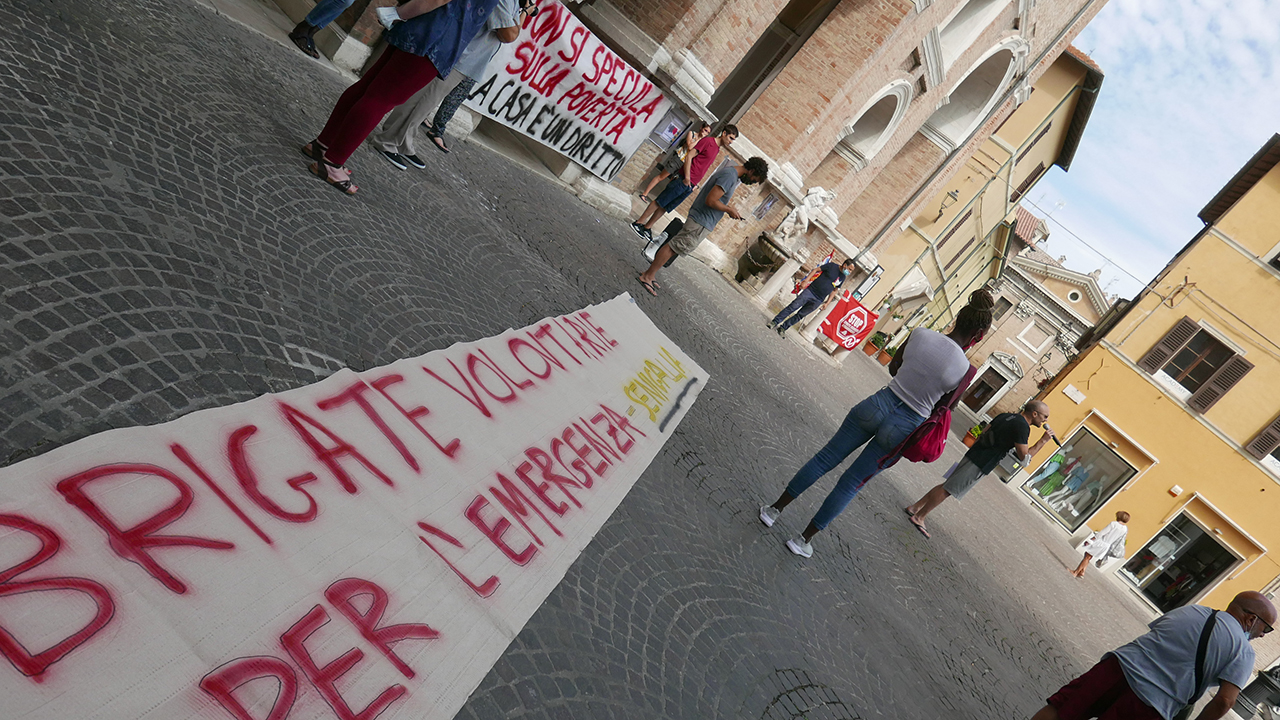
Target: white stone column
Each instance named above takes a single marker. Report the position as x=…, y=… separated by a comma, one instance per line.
x=814, y=321
x=780, y=277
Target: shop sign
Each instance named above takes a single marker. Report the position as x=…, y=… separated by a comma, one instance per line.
x=562, y=86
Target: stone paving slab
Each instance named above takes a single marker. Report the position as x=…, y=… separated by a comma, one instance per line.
x=165, y=251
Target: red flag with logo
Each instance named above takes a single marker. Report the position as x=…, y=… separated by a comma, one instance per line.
x=849, y=322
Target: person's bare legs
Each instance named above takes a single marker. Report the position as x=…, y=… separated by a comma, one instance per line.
x=656, y=179
x=663, y=255
x=1084, y=563
x=1048, y=712
x=653, y=212
x=924, y=505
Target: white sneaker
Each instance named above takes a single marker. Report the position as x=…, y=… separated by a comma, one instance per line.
x=768, y=514
x=388, y=16
x=798, y=546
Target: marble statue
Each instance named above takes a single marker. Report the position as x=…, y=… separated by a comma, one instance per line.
x=796, y=223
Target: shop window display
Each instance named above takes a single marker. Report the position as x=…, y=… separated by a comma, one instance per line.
x=1179, y=563
x=1077, y=479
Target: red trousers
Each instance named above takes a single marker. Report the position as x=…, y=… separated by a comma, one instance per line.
x=390, y=82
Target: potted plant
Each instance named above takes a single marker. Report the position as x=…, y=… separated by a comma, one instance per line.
x=971, y=437
x=872, y=346
x=886, y=355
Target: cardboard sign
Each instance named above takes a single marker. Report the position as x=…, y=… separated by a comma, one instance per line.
x=366, y=546
x=849, y=322
x=562, y=86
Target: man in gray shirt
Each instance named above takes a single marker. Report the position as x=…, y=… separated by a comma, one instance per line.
x=704, y=214
x=1153, y=677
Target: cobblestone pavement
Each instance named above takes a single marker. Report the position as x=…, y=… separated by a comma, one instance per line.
x=165, y=251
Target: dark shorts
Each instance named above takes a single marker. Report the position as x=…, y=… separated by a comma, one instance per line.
x=674, y=194
x=1101, y=693
x=962, y=479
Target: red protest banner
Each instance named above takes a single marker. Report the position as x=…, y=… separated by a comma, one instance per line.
x=849, y=322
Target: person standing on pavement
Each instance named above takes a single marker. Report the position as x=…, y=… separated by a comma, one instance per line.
x=325, y=12
x=830, y=276
x=674, y=164
x=425, y=39
x=1007, y=431
x=1106, y=543
x=395, y=140
x=1157, y=675
x=705, y=213
x=696, y=165
x=926, y=367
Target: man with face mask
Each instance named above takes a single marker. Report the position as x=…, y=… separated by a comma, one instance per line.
x=1156, y=676
x=829, y=277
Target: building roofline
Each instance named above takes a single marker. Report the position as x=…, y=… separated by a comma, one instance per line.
x=1084, y=107
x=1054, y=299
x=1243, y=181
x=1088, y=282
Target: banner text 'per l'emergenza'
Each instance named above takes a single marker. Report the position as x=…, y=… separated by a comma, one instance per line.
x=562, y=86
x=366, y=546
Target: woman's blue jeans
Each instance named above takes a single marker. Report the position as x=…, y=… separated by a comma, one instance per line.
x=883, y=417
x=326, y=11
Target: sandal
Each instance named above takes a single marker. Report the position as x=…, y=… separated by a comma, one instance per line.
x=919, y=526
x=308, y=152
x=345, y=185
x=438, y=141
x=647, y=286
x=644, y=197
x=305, y=44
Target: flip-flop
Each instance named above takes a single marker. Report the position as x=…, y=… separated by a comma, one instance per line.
x=647, y=286
x=907, y=510
x=919, y=526
x=644, y=197
x=438, y=141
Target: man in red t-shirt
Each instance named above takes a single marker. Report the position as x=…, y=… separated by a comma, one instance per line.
x=696, y=165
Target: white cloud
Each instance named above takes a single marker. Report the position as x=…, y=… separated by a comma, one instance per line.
x=1189, y=96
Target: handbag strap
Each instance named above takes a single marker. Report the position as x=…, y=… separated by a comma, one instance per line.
x=1201, y=652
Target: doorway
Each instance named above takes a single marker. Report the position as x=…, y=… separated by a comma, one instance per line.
x=1178, y=564
x=984, y=389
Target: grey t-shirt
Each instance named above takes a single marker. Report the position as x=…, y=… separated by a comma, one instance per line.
x=727, y=178
x=484, y=46
x=932, y=365
x=1160, y=666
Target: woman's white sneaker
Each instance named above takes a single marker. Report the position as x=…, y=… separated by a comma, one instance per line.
x=768, y=514
x=798, y=546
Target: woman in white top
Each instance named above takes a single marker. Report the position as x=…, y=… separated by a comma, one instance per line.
x=932, y=367
x=1107, y=542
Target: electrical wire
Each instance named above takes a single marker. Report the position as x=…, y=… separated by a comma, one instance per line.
x=1084, y=242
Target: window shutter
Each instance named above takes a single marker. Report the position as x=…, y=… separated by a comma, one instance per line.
x=1266, y=441
x=1171, y=343
x=1231, y=372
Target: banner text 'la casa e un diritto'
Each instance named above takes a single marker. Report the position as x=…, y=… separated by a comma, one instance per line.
x=562, y=86
x=363, y=547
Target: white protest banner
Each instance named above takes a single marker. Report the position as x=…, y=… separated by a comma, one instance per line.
x=561, y=85
x=363, y=547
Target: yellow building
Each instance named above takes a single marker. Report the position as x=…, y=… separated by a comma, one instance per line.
x=1170, y=411
x=961, y=239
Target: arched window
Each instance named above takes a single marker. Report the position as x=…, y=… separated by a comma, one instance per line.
x=965, y=25
x=874, y=124
x=975, y=95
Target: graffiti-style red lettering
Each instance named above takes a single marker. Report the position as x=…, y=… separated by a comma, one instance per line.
x=586, y=317
x=355, y=394
x=495, y=531
x=368, y=623
x=221, y=685
x=133, y=544
x=622, y=424
x=34, y=665
x=576, y=463
x=474, y=362
x=181, y=453
x=484, y=589
x=248, y=480
x=586, y=336
x=597, y=440
x=584, y=451
x=540, y=489
x=303, y=425
x=514, y=346
x=515, y=502
x=450, y=448
x=471, y=395
x=325, y=678
x=546, y=467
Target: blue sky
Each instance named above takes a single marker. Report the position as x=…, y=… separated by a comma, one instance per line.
x=1190, y=94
